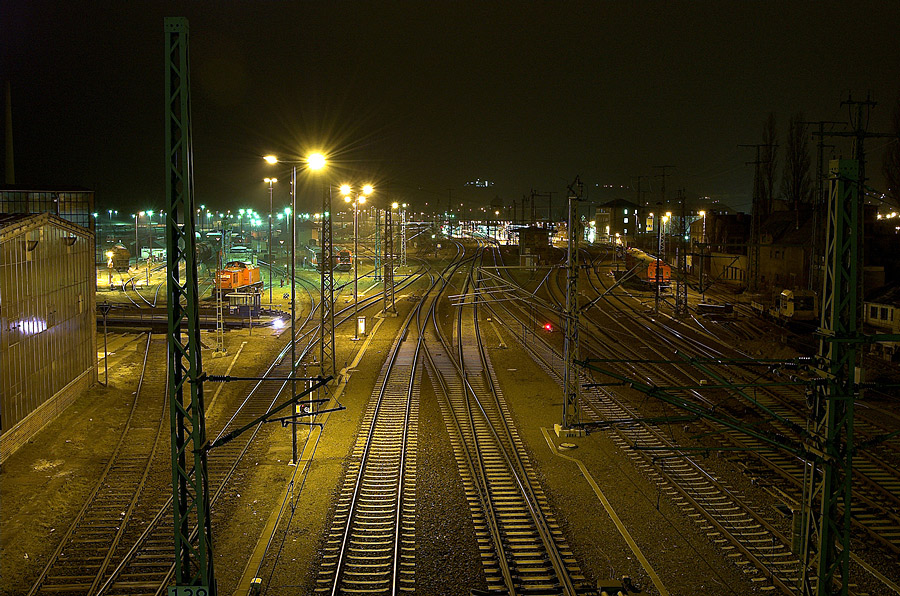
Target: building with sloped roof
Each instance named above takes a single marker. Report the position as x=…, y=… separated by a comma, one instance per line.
x=618, y=217
x=882, y=314
x=48, y=345
x=785, y=251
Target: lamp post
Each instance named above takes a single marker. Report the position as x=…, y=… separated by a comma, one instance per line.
x=658, y=224
x=659, y=253
x=271, y=182
x=360, y=199
x=149, y=215
x=315, y=161
x=111, y=212
x=137, y=251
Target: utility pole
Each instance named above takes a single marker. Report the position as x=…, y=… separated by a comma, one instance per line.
x=841, y=331
x=220, y=319
x=659, y=220
x=681, y=288
x=377, y=273
x=190, y=489
x=271, y=182
x=293, y=271
x=531, y=205
x=833, y=414
x=389, y=307
x=820, y=201
x=757, y=214
x=663, y=175
x=326, y=328
x=664, y=201
x=403, y=235
x=642, y=209
x=640, y=191
x=571, y=417
x=450, y=211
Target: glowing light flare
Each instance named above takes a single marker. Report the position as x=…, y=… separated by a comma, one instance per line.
x=315, y=161
x=368, y=189
x=548, y=327
x=271, y=159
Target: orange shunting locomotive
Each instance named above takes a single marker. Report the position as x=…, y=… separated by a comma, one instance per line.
x=238, y=276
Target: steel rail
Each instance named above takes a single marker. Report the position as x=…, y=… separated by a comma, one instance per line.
x=122, y=519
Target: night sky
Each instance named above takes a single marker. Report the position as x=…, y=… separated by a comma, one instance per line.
x=421, y=97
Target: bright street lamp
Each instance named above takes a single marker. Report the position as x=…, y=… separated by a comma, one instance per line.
x=360, y=199
x=314, y=161
x=271, y=182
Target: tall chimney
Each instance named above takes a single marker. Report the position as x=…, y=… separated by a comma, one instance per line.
x=10, y=165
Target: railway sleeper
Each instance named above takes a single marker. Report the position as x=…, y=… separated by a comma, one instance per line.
x=77, y=588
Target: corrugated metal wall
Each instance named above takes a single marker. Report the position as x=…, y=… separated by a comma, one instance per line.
x=47, y=320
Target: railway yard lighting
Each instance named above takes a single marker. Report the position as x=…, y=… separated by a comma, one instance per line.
x=347, y=191
x=271, y=182
x=136, y=217
x=314, y=162
x=150, y=234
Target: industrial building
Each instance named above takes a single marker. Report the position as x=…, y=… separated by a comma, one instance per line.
x=47, y=321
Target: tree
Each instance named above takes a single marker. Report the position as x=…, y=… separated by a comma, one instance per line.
x=891, y=164
x=768, y=165
x=796, y=184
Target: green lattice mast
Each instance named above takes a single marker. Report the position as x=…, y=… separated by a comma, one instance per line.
x=193, y=544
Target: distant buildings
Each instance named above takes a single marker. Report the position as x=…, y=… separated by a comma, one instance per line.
x=617, y=218
x=71, y=204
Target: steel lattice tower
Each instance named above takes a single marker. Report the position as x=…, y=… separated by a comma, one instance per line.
x=389, y=261
x=571, y=408
x=681, y=286
x=193, y=539
x=833, y=416
x=403, y=238
x=377, y=273
x=326, y=328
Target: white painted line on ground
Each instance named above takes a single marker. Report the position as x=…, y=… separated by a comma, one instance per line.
x=227, y=372
x=612, y=514
x=363, y=292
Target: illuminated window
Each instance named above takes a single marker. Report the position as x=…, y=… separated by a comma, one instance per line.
x=625, y=220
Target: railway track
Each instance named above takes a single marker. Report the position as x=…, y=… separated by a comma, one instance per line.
x=777, y=563
x=84, y=554
x=141, y=299
x=370, y=547
x=748, y=539
x=523, y=550
x=876, y=479
x=146, y=567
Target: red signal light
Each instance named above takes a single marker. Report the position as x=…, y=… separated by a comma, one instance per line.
x=548, y=327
